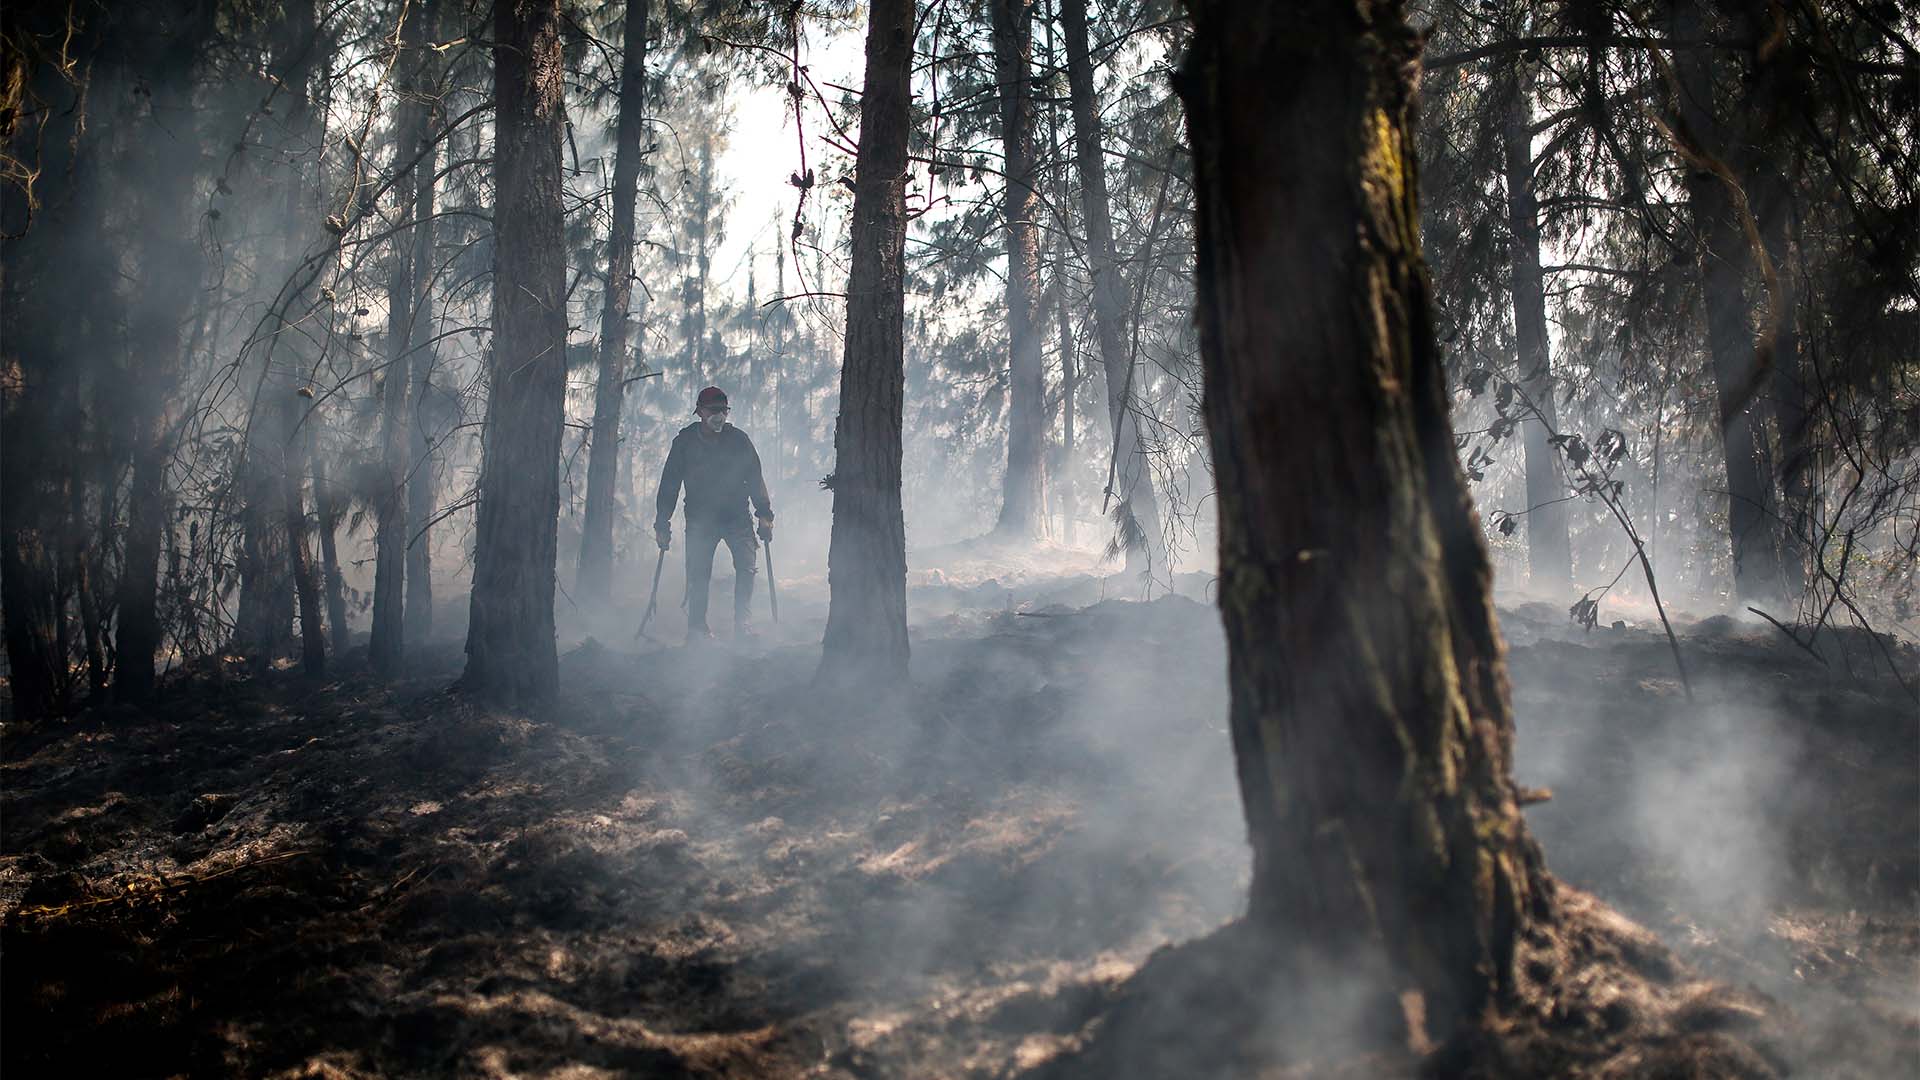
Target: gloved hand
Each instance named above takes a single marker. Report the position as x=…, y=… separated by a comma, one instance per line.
x=663, y=535
x=766, y=529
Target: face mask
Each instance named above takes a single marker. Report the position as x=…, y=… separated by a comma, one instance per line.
x=715, y=422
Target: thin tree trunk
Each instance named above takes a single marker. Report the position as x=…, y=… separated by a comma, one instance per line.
x=386, y=648
x=596, y=535
x=1023, y=487
x=1725, y=261
x=1369, y=715
x=1069, y=366
x=866, y=637
x=1069, y=387
x=294, y=50
x=1133, y=485
x=510, y=637
x=313, y=638
x=422, y=477
x=326, y=505
x=1549, y=557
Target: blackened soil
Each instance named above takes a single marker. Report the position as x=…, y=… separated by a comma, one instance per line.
x=690, y=866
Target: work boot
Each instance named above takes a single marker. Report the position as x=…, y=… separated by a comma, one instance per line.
x=699, y=635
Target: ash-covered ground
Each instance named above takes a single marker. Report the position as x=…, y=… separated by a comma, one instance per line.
x=691, y=866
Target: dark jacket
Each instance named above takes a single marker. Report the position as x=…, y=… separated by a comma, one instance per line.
x=721, y=473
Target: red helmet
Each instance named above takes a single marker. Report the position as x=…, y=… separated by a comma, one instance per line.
x=711, y=398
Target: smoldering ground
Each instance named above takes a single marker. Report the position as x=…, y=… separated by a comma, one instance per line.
x=694, y=866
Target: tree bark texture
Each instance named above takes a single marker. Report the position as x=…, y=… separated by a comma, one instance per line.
x=33, y=485
x=866, y=638
x=29, y=586
x=161, y=300
x=510, y=638
x=1549, y=555
x=327, y=509
x=1022, y=513
x=313, y=638
x=294, y=51
x=405, y=322
x=422, y=475
x=596, y=535
x=1725, y=261
x=1132, y=479
x=1370, y=716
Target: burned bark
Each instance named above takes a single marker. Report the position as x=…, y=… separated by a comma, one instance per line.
x=1023, y=489
x=866, y=637
x=164, y=298
x=1549, y=556
x=511, y=654
x=410, y=267
x=1132, y=480
x=596, y=534
x=1726, y=261
x=1370, y=716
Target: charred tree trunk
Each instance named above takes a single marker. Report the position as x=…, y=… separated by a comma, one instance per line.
x=29, y=585
x=1069, y=363
x=1725, y=260
x=32, y=494
x=1370, y=717
x=510, y=636
x=327, y=508
x=1792, y=418
x=1132, y=482
x=162, y=300
x=866, y=638
x=386, y=648
x=313, y=638
x=596, y=535
x=294, y=50
x=1023, y=489
x=1549, y=556
x=422, y=476
x=1069, y=390
x=1775, y=91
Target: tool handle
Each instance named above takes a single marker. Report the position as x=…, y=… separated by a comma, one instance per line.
x=773, y=593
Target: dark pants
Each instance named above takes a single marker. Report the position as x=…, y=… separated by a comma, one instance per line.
x=702, y=538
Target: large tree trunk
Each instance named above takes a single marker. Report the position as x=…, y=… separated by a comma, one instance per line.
x=29, y=588
x=411, y=265
x=1725, y=261
x=1549, y=558
x=1132, y=481
x=33, y=501
x=510, y=636
x=1022, y=513
x=1775, y=91
x=1369, y=714
x=596, y=535
x=866, y=639
x=162, y=297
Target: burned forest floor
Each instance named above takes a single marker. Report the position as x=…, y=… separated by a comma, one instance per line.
x=691, y=866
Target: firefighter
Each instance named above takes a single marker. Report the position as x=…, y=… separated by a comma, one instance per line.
x=720, y=469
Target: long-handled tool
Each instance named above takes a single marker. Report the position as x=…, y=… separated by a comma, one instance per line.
x=773, y=594
x=652, y=597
